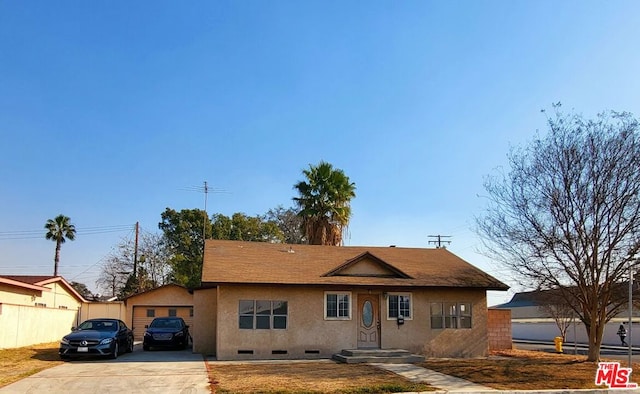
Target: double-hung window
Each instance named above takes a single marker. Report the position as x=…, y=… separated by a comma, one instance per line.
x=337, y=306
x=399, y=305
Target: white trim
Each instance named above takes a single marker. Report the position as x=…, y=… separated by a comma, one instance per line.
x=324, y=302
x=410, y=295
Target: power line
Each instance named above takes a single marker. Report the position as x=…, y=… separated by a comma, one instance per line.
x=34, y=234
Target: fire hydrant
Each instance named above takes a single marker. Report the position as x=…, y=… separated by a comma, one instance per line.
x=558, y=342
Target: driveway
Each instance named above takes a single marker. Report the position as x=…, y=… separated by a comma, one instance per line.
x=163, y=371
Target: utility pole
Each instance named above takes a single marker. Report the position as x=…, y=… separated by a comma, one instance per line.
x=204, y=223
x=135, y=259
x=439, y=241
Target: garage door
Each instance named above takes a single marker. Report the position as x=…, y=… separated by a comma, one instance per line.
x=143, y=315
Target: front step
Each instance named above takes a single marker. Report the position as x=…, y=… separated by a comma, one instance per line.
x=392, y=356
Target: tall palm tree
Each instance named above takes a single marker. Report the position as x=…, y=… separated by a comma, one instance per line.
x=324, y=204
x=59, y=230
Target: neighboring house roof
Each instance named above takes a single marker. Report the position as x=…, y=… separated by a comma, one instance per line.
x=241, y=262
x=9, y=280
x=531, y=298
x=156, y=289
x=40, y=281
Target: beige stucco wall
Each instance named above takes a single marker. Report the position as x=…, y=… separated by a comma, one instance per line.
x=471, y=342
x=94, y=310
x=22, y=325
x=204, y=321
x=310, y=336
x=18, y=295
x=57, y=297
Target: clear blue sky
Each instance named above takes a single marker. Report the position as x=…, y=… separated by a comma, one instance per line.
x=110, y=110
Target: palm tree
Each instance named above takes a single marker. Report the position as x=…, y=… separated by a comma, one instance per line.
x=324, y=204
x=59, y=230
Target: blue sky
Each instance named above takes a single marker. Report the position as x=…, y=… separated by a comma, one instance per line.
x=110, y=110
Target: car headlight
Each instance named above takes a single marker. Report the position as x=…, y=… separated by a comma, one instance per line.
x=179, y=334
x=106, y=341
x=64, y=341
x=147, y=334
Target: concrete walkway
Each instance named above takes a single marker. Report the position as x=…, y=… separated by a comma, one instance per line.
x=444, y=382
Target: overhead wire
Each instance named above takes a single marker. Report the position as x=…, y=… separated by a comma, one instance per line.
x=33, y=234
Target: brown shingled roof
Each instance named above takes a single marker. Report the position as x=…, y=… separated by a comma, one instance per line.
x=237, y=262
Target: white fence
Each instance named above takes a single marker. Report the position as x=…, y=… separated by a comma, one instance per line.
x=547, y=330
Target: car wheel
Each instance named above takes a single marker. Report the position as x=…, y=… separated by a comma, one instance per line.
x=130, y=345
x=114, y=355
x=64, y=358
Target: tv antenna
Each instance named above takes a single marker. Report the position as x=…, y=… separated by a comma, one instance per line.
x=206, y=189
x=439, y=241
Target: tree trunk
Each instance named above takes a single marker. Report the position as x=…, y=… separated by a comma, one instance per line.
x=56, y=259
x=594, y=333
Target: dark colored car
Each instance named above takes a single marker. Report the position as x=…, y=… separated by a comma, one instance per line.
x=166, y=332
x=97, y=337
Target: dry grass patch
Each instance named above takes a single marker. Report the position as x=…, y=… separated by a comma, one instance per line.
x=307, y=377
x=19, y=363
x=522, y=370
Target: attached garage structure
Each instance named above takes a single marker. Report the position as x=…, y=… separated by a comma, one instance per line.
x=168, y=300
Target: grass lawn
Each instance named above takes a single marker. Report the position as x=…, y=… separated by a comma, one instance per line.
x=19, y=363
x=524, y=370
x=307, y=377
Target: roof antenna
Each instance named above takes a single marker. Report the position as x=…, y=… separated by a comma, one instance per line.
x=438, y=241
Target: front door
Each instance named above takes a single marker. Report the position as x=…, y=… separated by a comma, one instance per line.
x=369, y=321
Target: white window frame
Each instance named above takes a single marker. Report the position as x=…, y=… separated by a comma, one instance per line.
x=338, y=293
x=388, y=300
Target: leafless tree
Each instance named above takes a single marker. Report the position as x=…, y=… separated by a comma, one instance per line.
x=153, y=268
x=566, y=215
x=554, y=305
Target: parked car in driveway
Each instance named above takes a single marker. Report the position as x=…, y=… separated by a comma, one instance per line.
x=97, y=337
x=166, y=332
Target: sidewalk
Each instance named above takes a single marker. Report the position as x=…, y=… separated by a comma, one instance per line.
x=447, y=383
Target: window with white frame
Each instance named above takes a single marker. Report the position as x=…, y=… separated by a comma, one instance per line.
x=450, y=315
x=399, y=305
x=337, y=306
x=263, y=314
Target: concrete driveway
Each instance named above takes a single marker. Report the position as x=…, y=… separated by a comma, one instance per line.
x=158, y=371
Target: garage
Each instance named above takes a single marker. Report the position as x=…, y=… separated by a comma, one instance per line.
x=164, y=301
x=144, y=314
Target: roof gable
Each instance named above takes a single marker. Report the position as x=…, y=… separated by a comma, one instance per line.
x=155, y=289
x=39, y=282
x=367, y=265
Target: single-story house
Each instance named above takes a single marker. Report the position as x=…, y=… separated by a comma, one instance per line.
x=264, y=301
x=36, y=309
